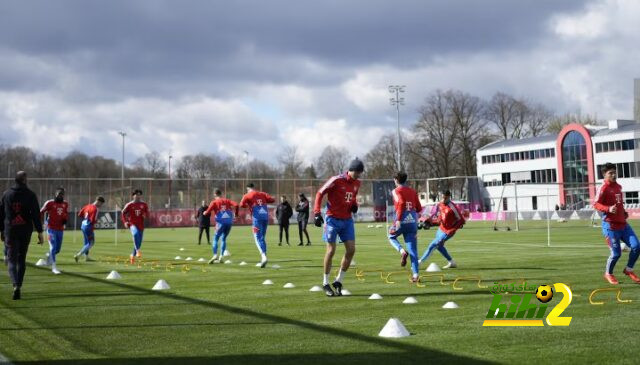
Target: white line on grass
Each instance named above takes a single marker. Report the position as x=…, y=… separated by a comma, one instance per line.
x=4, y=360
x=537, y=245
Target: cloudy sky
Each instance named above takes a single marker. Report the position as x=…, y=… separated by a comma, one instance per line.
x=226, y=76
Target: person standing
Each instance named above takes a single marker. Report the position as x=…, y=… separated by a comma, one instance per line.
x=89, y=214
x=19, y=213
x=283, y=214
x=257, y=201
x=303, y=218
x=133, y=216
x=57, y=213
x=204, y=222
x=341, y=191
x=609, y=203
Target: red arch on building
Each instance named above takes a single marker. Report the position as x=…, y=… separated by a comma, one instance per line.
x=574, y=127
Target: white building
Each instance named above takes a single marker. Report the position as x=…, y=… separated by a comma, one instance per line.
x=562, y=169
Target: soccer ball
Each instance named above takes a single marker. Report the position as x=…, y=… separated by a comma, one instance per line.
x=544, y=293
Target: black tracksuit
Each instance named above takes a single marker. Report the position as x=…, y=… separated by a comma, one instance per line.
x=204, y=223
x=19, y=213
x=284, y=213
x=303, y=218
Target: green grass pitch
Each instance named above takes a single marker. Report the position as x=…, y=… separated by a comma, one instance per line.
x=225, y=315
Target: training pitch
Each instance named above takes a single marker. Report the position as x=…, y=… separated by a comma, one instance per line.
x=222, y=313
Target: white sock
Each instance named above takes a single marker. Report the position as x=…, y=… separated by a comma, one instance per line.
x=325, y=279
x=415, y=275
x=628, y=269
x=264, y=257
x=402, y=251
x=340, y=276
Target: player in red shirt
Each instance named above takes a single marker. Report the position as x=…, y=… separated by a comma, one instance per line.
x=89, y=214
x=407, y=207
x=341, y=192
x=257, y=201
x=451, y=220
x=615, y=228
x=56, y=211
x=133, y=216
x=221, y=208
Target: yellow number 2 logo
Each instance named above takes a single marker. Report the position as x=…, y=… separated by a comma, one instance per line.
x=554, y=319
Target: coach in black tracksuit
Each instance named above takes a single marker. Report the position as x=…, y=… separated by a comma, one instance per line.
x=19, y=213
x=303, y=217
x=284, y=213
x=204, y=222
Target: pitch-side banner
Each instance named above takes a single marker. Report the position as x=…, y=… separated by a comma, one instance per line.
x=187, y=218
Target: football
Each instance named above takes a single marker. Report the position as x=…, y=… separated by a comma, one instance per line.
x=544, y=293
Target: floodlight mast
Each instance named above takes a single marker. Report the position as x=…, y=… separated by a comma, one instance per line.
x=397, y=101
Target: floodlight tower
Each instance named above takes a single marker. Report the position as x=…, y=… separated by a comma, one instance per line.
x=397, y=101
x=123, y=134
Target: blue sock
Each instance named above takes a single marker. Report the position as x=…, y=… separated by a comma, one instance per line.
x=413, y=254
x=395, y=243
x=613, y=258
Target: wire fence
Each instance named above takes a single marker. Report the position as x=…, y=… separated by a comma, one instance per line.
x=182, y=193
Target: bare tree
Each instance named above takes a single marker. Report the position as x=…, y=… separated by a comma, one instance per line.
x=466, y=111
x=435, y=135
x=332, y=161
x=381, y=160
x=153, y=163
x=503, y=111
x=558, y=122
x=290, y=162
x=539, y=119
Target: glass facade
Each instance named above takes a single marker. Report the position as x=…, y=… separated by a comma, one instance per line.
x=575, y=169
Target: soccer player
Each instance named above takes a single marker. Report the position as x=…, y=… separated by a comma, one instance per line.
x=341, y=191
x=257, y=202
x=221, y=209
x=57, y=214
x=407, y=207
x=89, y=214
x=133, y=216
x=451, y=220
x=609, y=203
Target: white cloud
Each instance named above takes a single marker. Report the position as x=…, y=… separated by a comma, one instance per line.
x=311, y=140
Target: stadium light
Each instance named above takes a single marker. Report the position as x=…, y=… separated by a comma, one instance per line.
x=169, y=202
x=397, y=101
x=123, y=134
x=246, y=159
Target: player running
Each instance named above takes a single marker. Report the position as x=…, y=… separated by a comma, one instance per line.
x=451, y=220
x=133, y=216
x=89, y=214
x=615, y=228
x=341, y=191
x=257, y=202
x=407, y=207
x=221, y=209
x=57, y=212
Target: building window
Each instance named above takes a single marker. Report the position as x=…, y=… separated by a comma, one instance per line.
x=575, y=168
x=631, y=197
x=534, y=202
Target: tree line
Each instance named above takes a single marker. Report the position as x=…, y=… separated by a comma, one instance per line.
x=451, y=126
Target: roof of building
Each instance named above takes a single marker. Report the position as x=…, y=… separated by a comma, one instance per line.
x=623, y=126
x=519, y=141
